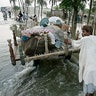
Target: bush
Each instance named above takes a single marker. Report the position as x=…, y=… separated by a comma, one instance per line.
x=16, y=8
x=48, y=14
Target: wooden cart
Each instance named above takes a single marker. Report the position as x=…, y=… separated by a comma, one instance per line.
x=23, y=58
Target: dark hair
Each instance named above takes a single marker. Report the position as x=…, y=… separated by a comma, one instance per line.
x=35, y=15
x=88, y=29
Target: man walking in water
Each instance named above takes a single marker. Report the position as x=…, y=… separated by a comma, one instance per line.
x=5, y=15
x=20, y=16
x=9, y=12
x=87, y=59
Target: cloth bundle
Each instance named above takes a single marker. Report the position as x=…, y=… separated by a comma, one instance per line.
x=54, y=33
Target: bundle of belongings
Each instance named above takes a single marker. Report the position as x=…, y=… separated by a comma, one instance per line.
x=54, y=33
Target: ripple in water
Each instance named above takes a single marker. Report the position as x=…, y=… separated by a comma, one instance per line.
x=52, y=78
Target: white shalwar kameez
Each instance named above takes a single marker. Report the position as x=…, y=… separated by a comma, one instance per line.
x=87, y=62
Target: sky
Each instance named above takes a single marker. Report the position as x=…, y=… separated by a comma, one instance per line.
x=4, y=3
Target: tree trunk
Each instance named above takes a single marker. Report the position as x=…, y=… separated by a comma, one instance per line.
x=19, y=4
x=34, y=7
x=52, y=8
x=74, y=22
x=69, y=18
x=89, y=12
x=94, y=24
x=63, y=14
x=23, y=5
x=14, y=11
x=41, y=10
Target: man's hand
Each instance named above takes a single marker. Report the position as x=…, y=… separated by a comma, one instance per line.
x=66, y=41
x=77, y=35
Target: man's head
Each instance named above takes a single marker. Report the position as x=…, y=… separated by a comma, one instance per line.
x=87, y=30
x=58, y=23
x=44, y=22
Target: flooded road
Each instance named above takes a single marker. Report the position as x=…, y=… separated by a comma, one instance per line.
x=51, y=78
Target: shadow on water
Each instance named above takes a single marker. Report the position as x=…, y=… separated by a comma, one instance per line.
x=51, y=78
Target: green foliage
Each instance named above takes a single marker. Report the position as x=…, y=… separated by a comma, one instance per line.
x=81, y=6
x=13, y=27
x=48, y=14
x=94, y=6
x=16, y=8
x=65, y=3
x=42, y=2
x=56, y=8
x=86, y=11
x=72, y=4
x=28, y=2
x=54, y=1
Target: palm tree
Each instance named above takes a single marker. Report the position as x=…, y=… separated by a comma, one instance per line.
x=14, y=2
x=35, y=7
x=41, y=3
x=34, y=1
x=94, y=13
x=75, y=5
x=21, y=4
x=89, y=11
x=27, y=3
x=53, y=2
x=14, y=5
